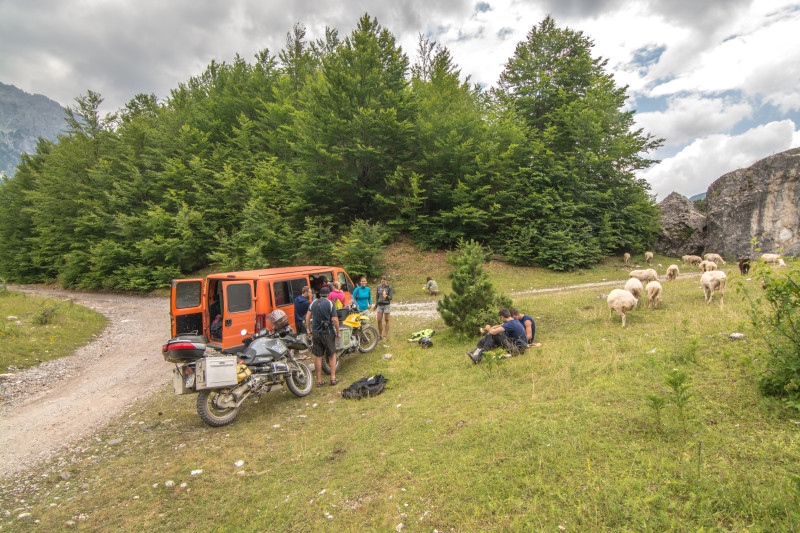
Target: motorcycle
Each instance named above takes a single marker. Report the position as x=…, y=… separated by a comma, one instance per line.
x=224, y=382
x=356, y=335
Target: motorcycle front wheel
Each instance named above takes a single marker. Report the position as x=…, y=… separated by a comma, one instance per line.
x=368, y=339
x=299, y=381
x=210, y=413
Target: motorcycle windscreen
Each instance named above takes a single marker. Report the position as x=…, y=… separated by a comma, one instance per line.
x=186, y=308
x=239, y=312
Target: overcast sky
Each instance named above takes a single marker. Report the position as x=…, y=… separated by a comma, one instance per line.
x=719, y=80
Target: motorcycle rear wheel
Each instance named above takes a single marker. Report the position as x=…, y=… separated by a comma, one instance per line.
x=299, y=381
x=326, y=363
x=210, y=413
x=368, y=339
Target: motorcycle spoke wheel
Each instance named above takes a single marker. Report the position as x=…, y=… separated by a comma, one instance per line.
x=210, y=413
x=368, y=339
x=326, y=363
x=299, y=381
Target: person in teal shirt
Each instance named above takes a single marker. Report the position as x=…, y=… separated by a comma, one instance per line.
x=362, y=295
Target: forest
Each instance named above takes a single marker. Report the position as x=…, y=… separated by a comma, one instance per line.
x=326, y=151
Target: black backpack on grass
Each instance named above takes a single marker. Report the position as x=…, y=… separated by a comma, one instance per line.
x=365, y=388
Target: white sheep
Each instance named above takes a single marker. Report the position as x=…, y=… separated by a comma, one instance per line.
x=716, y=258
x=685, y=258
x=653, y=294
x=626, y=257
x=693, y=259
x=634, y=286
x=781, y=262
x=672, y=272
x=714, y=281
x=648, y=257
x=707, y=266
x=644, y=275
x=769, y=258
x=621, y=301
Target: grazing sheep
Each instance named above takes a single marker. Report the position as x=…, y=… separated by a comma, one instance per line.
x=693, y=259
x=648, y=257
x=685, y=258
x=672, y=272
x=706, y=266
x=644, y=275
x=716, y=258
x=744, y=266
x=626, y=257
x=653, y=294
x=621, y=301
x=714, y=281
x=634, y=286
x=769, y=258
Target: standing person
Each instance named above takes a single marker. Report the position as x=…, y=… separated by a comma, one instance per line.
x=383, y=297
x=510, y=334
x=321, y=319
x=301, y=305
x=337, y=295
x=362, y=295
x=431, y=286
x=528, y=324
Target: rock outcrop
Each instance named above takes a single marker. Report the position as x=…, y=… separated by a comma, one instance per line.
x=684, y=227
x=758, y=202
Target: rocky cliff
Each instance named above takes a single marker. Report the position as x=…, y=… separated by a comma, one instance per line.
x=684, y=227
x=758, y=202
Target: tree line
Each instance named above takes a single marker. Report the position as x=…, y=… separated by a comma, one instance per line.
x=322, y=152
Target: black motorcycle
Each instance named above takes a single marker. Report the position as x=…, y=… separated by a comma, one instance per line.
x=225, y=381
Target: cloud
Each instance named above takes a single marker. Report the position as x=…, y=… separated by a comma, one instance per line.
x=695, y=167
x=693, y=116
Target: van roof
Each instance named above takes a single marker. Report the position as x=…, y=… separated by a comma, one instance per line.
x=270, y=272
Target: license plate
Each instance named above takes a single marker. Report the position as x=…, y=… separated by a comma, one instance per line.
x=190, y=381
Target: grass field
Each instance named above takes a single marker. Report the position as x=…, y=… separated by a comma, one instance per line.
x=563, y=438
x=33, y=330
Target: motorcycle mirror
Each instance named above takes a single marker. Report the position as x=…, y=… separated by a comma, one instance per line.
x=243, y=332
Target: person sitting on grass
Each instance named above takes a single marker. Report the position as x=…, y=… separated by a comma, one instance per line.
x=529, y=325
x=510, y=335
x=431, y=286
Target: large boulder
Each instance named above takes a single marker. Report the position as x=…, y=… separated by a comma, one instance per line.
x=684, y=227
x=758, y=202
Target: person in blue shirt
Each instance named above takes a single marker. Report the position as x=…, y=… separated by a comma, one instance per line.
x=528, y=324
x=510, y=334
x=301, y=305
x=362, y=295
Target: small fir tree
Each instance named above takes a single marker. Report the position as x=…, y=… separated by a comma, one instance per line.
x=473, y=302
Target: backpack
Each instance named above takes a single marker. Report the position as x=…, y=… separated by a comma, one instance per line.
x=417, y=335
x=365, y=388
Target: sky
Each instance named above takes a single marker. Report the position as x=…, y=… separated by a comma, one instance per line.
x=718, y=80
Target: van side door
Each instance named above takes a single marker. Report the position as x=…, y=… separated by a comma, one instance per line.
x=239, y=313
x=283, y=294
x=186, y=307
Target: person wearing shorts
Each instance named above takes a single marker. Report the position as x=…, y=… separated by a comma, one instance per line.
x=383, y=305
x=323, y=323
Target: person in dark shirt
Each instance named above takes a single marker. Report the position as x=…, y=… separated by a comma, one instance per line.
x=301, y=305
x=529, y=325
x=510, y=334
x=321, y=319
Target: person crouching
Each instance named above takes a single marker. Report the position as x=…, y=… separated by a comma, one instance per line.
x=510, y=335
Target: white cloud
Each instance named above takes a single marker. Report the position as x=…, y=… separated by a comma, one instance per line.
x=695, y=167
x=693, y=116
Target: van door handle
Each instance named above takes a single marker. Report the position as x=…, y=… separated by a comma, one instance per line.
x=228, y=322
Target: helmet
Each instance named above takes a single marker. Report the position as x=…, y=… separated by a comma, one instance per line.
x=425, y=342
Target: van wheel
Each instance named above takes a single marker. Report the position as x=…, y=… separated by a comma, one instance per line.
x=326, y=364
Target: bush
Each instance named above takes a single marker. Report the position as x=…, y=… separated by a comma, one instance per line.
x=776, y=315
x=359, y=249
x=473, y=302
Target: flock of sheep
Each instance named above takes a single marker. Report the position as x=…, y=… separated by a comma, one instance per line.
x=713, y=280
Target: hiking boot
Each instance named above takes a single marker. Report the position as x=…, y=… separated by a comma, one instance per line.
x=476, y=355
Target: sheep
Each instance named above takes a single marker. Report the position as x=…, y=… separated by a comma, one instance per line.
x=672, y=272
x=744, y=266
x=769, y=258
x=621, y=301
x=706, y=266
x=634, y=286
x=716, y=258
x=714, y=281
x=644, y=275
x=648, y=257
x=653, y=294
x=626, y=257
x=693, y=259
x=685, y=258
x=781, y=262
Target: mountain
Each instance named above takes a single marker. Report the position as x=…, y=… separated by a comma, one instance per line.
x=701, y=196
x=23, y=119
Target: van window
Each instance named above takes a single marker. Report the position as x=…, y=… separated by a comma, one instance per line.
x=344, y=281
x=239, y=297
x=187, y=294
x=287, y=291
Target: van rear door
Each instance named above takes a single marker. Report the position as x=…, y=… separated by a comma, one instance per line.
x=186, y=306
x=239, y=312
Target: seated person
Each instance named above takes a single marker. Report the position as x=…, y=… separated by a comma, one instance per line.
x=510, y=335
x=529, y=325
x=431, y=286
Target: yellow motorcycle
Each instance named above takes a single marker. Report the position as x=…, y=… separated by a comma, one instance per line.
x=356, y=336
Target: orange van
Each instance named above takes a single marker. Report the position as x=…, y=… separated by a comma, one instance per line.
x=243, y=299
